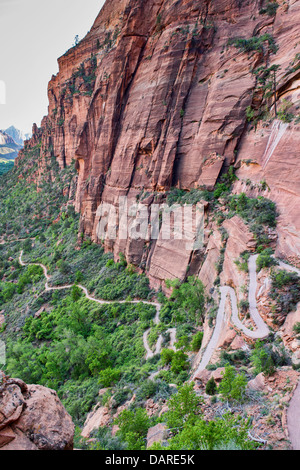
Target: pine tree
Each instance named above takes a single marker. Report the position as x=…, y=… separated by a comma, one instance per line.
x=211, y=387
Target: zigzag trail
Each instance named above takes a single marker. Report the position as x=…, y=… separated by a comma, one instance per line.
x=261, y=331
x=149, y=352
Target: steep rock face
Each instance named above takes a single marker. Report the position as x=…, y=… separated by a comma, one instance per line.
x=32, y=418
x=273, y=150
x=155, y=97
x=277, y=167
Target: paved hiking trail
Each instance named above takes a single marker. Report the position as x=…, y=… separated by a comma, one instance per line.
x=262, y=331
x=293, y=419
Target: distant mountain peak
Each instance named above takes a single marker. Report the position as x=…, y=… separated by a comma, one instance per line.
x=18, y=136
x=10, y=146
x=6, y=139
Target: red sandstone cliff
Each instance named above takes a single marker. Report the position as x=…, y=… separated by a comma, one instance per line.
x=155, y=97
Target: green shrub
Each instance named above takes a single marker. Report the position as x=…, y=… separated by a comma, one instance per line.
x=211, y=387
x=27, y=246
x=7, y=291
x=233, y=385
x=191, y=431
x=147, y=390
x=243, y=263
x=262, y=360
x=244, y=305
x=270, y=8
x=188, y=300
x=283, y=112
x=183, y=407
x=197, y=341
x=285, y=291
x=109, y=377
x=265, y=259
x=178, y=361
x=296, y=328
x=256, y=43
x=260, y=211
x=133, y=426
x=167, y=356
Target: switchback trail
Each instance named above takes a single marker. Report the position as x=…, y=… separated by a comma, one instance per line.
x=149, y=352
x=261, y=331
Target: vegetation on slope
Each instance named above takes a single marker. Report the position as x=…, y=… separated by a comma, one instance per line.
x=5, y=166
x=62, y=340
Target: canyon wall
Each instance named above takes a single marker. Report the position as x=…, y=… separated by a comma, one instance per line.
x=156, y=97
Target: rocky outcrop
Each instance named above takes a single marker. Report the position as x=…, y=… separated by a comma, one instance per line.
x=32, y=418
x=156, y=434
x=258, y=383
x=155, y=96
x=97, y=418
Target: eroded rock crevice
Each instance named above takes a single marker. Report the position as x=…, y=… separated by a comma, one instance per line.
x=156, y=96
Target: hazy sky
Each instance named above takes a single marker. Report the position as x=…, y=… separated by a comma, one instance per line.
x=33, y=34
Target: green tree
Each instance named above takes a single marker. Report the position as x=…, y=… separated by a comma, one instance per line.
x=75, y=293
x=262, y=359
x=167, y=356
x=211, y=387
x=189, y=298
x=197, y=341
x=134, y=425
x=63, y=267
x=109, y=377
x=27, y=247
x=183, y=407
x=233, y=385
x=179, y=362
x=265, y=259
x=223, y=433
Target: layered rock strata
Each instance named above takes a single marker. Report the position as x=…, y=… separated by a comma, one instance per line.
x=158, y=95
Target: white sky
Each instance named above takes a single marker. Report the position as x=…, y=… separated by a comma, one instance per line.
x=33, y=34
